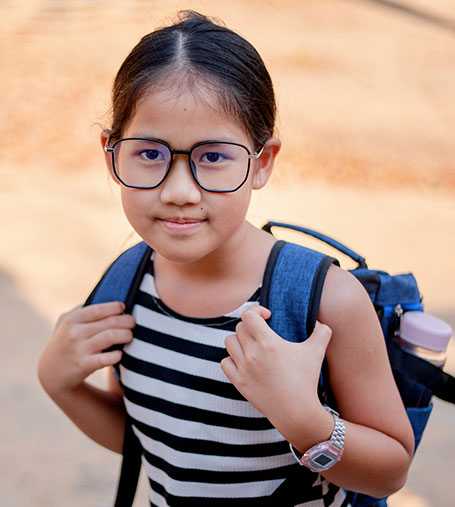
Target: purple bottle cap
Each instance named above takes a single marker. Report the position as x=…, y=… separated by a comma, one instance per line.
x=424, y=330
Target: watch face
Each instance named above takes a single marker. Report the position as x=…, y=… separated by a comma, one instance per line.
x=321, y=457
x=323, y=461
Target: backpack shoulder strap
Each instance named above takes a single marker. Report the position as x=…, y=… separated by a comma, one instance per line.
x=292, y=289
x=120, y=283
x=130, y=468
x=122, y=278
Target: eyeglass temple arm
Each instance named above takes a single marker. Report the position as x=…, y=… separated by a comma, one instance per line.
x=258, y=153
x=107, y=148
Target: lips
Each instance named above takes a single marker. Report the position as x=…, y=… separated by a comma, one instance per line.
x=181, y=224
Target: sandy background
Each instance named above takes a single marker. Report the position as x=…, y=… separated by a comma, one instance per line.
x=367, y=118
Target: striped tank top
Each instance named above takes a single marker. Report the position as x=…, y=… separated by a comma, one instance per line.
x=203, y=444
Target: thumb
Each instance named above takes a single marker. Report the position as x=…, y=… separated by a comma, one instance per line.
x=262, y=311
x=320, y=338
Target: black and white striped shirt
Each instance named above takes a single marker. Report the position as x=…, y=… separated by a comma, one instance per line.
x=203, y=443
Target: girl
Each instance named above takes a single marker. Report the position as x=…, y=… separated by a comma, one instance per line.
x=214, y=394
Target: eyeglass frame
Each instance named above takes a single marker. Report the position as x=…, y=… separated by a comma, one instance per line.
x=111, y=150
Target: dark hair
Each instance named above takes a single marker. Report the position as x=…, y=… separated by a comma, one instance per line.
x=203, y=52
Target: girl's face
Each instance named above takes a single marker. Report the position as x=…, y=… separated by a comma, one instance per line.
x=178, y=219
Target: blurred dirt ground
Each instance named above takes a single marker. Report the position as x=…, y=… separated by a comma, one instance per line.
x=367, y=119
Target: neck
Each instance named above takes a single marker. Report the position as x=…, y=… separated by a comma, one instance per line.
x=224, y=262
x=219, y=282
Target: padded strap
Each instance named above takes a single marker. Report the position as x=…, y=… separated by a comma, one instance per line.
x=122, y=278
x=120, y=283
x=292, y=290
x=131, y=467
x=268, y=273
x=316, y=292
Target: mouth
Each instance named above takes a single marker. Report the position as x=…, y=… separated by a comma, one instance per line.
x=181, y=224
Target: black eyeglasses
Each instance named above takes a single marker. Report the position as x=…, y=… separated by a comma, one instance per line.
x=216, y=166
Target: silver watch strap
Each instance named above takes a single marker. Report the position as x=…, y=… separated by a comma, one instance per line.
x=339, y=430
x=337, y=437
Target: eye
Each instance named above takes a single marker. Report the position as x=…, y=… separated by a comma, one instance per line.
x=211, y=157
x=217, y=156
x=151, y=155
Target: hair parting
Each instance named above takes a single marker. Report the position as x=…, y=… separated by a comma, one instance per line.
x=197, y=52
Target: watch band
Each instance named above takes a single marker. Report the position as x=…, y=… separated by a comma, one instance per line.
x=324, y=455
x=339, y=430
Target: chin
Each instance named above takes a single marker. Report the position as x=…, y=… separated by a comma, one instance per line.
x=183, y=253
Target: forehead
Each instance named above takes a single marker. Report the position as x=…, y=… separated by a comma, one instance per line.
x=183, y=115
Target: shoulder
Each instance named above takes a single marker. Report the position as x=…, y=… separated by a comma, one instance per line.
x=357, y=348
x=360, y=375
x=343, y=296
x=347, y=309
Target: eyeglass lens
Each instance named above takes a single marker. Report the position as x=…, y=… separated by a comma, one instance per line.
x=145, y=163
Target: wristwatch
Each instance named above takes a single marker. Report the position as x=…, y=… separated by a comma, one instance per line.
x=323, y=456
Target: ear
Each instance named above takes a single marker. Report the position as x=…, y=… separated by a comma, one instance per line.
x=104, y=138
x=264, y=164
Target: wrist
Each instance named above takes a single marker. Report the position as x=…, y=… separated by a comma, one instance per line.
x=318, y=427
x=62, y=394
x=58, y=390
x=324, y=455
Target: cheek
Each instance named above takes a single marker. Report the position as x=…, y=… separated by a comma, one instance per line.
x=233, y=210
x=135, y=204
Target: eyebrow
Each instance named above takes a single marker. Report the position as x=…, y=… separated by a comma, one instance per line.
x=142, y=134
x=223, y=139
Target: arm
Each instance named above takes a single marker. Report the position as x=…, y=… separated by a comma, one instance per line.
x=379, y=440
x=280, y=379
x=73, y=353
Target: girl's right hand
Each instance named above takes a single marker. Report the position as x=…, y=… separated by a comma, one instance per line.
x=77, y=346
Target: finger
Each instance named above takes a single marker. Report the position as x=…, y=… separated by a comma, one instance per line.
x=108, y=338
x=63, y=316
x=124, y=321
x=103, y=359
x=229, y=368
x=254, y=322
x=245, y=338
x=234, y=347
x=96, y=312
x=264, y=312
x=320, y=338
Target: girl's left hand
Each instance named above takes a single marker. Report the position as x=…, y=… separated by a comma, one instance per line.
x=278, y=377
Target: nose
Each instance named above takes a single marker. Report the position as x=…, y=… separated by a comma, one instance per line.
x=179, y=187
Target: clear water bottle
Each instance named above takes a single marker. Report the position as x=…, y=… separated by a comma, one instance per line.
x=425, y=336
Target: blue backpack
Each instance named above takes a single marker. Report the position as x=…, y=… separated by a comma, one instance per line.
x=296, y=270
